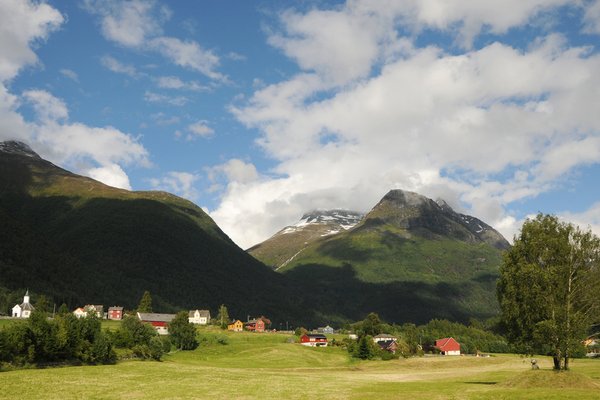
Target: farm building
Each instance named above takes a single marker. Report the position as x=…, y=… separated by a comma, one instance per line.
x=199, y=317
x=448, y=346
x=160, y=322
x=236, y=326
x=255, y=325
x=115, y=313
x=313, y=340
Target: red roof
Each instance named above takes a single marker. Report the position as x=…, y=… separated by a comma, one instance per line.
x=447, y=344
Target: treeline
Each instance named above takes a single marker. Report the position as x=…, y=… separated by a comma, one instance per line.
x=66, y=339
x=418, y=340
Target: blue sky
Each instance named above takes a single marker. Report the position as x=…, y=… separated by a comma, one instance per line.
x=261, y=111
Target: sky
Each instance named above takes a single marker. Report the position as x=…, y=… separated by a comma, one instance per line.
x=260, y=111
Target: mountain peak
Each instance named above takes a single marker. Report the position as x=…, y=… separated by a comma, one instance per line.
x=16, y=147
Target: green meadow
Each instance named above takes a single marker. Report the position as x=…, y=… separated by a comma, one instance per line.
x=267, y=366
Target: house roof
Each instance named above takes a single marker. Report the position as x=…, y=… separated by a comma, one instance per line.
x=203, y=313
x=27, y=307
x=446, y=344
x=316, y=335
x=253, y=321
x=384, y=336
x=115, y=308
x=154, y=317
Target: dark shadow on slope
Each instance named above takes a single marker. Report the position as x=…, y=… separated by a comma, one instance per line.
x=337, y=292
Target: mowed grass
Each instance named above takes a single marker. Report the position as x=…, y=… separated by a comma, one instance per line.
x=266, y=366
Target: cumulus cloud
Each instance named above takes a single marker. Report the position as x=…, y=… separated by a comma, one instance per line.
x=199, y=129
x=173, y=82
x=188, y=54
x=69, y=73
x=180, y=183
x=152, y=97
x=118, y=67
x=128, y=23
x=47, y=107
x=592, y=17
x=23, y=23
x=111, y=175
x=485, y=127
x=138, y=24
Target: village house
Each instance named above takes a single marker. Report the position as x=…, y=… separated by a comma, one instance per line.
x=326, y=330
x=82, y=312
x=199, y=317
x=160, y=322
x=384, y=337
x=24, y=309
x=236, y=326
x=115, y=313
x=255, y=325
x=386, y=342
x=448, y=346
x=313, y=340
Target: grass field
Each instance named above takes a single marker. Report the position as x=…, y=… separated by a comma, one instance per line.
x=266, y=366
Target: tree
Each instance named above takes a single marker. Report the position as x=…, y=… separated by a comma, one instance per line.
x=548, y=288
x=63, y=309
x=183, y=333
x=371, y=325
x=223, y=317
x=145, y=305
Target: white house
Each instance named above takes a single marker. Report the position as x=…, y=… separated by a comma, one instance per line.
x=23, y=310
x=82, y=312
x=199, y=317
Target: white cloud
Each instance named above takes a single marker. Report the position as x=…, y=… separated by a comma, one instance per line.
x=173, y=82
x=138, y=24
x=47, y=107
x=111, y=175
x=486, y=127
x=188, y=54
x=592, y=17
x=128, y=23
x=177, y=101
x=199, y=129
x=72, y=75
x=118, y=67
x=23, y=23
x=87, y=150
x=588, y=219
x=180, y=183
x=234, y=170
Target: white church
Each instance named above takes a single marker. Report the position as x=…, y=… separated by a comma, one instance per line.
x=23, y=310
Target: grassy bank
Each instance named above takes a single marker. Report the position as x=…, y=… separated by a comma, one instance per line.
x=265, y=365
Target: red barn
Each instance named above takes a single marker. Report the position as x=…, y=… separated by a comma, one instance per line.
x=115, y=313
x=448, y=346
x=255, y=325
x=160, y=322
x=313, y=340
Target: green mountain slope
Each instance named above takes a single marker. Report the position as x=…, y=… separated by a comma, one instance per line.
x=80, y=241
x=410, y=258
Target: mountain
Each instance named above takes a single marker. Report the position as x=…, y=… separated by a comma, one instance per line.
x=411, y=258
x=282, y=247
x=79, y=241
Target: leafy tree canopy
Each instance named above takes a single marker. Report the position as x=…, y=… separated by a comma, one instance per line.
x=145, y=305
x=548, y=288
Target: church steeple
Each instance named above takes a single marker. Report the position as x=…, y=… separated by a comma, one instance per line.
x=26, y=297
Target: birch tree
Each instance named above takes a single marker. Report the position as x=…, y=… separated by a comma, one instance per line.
x=549, y=288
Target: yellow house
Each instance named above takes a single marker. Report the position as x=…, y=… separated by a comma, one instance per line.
x=236, y=326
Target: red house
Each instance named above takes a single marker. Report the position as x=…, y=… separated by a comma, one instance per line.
x=448, y=346
x=255, y=325
x=115, y=313
x=313, y=340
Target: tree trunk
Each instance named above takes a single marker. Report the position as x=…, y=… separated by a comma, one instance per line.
x=556, y=362
x=566, y=365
